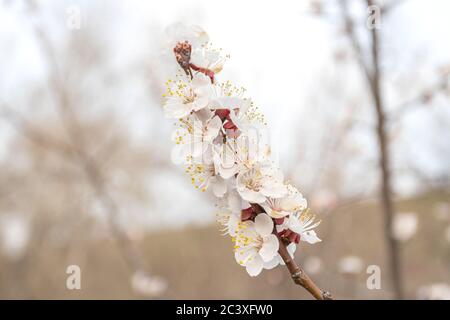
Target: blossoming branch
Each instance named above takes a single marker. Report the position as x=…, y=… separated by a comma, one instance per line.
x=219, y=139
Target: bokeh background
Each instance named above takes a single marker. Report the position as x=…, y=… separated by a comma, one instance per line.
x=85, y=171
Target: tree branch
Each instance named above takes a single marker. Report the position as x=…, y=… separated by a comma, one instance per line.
x=350, y=31
x=299, y=276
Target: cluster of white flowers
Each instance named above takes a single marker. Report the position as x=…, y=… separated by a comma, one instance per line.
x=218, y=137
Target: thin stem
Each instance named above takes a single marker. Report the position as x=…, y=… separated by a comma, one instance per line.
x=299, y=276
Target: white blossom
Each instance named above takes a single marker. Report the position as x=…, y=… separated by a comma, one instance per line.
x=193, y=138
x=282, y=207
x=185, y=96
x=225, y=160
x=204, y=176
x=208, y=58
x=303, y=224
x=229, y=220
x=259, y=182
x=229, y=214
x=255, y=244
x=247, y=151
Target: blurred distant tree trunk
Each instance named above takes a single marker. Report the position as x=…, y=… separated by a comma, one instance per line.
x=372, y=72
x=385, y=170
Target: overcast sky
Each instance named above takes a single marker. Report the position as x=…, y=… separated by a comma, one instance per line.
x=279, y=52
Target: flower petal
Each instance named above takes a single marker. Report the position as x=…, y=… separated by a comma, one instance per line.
x=291, y=249
x=250, y=195
x=233, y=224
x=219, y=186
x=274, y=213
x=255, y=266
x=274, y=189
x=310, y=237
x=272, y=263
x=269, y=250
x=294, y=224
x=212, y=129
x=263, y=224
x=175, y=108
x=293, y=203
x=244, y=256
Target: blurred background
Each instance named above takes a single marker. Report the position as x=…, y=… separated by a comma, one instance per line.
x=359, y=118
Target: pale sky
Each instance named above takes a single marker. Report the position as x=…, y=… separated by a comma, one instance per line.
x=279, y=52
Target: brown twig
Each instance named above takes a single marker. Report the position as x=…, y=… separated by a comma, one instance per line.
x=299, y=276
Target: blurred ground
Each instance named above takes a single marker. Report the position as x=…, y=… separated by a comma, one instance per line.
x=199, y=264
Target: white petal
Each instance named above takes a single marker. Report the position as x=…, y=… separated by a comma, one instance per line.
x=273, y=213
x=233, y=224
x=291, y=249
x=310, y=237
x=251, y=196
x=204, y=115
x=201, y=83
x=196, y=148
x=255, y=266
x=212, y=129
x=272, y=263
x=181, y=32
x=236, y=119
x=263, y=224
x=244, y=256
x=281, y=227
x=200, y=35
x=200, y=103
x=295, y=224
x=274, y=189
x=227, y=173
x=294, y=202
x=207, y=155
x=219, y=187
x=234, y=202
x=174, y=108
x=270, y=247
